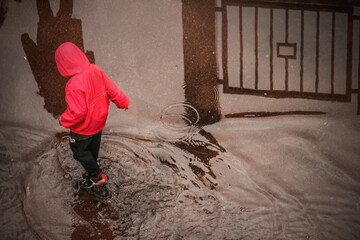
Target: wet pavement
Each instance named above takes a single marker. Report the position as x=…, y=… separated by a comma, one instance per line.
x=214, y=167
x=224, y=181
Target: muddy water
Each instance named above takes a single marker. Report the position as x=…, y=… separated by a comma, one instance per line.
x=211, y=184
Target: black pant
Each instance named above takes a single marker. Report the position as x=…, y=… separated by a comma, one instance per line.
x=86, y=151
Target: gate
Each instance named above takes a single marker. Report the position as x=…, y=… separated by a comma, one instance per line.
x=284, y=50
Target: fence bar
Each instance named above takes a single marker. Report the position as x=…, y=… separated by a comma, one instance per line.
x=225, y=48
x=349, y=55
x=288, y=94
x=296, y=5
x=302, y=53
x=332, y=52
x=241, y=48
x=317, y=51
x=256, y=49
x=358, y=88
x=271, y=48
x=287, y=41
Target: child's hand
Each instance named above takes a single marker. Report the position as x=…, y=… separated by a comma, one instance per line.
x=128, y=107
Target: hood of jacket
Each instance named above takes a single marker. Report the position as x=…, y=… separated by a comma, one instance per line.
x=70, y=60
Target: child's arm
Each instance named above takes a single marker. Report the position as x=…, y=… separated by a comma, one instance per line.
x=76, y=109
x=115, y=94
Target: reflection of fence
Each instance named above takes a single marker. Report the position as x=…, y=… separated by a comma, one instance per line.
x=286, y=50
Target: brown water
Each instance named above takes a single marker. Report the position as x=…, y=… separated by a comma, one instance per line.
x=238, y=179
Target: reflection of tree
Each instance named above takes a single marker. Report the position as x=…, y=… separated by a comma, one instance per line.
x=3, y=10
x=52, y=32
x=201, y=87
x=92, y=207
x=204, y=147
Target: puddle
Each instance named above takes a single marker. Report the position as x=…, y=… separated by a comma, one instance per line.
x=195, y=188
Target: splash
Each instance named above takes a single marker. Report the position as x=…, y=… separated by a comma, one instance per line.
x=200, y=188
x=178, y=122
x=150, y=184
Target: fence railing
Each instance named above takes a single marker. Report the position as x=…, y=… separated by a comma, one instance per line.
x=285, y=50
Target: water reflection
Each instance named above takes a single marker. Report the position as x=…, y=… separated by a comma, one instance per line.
x=195, y=188
x=149, y=182
x=200, y=67
x=177, y=122
x=153, y=191
x=97, y=216
x=203, y=147
x=3, y=10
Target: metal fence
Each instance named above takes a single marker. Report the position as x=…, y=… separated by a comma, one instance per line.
x=284, y=50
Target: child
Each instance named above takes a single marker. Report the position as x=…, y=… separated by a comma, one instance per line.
x=87, y=95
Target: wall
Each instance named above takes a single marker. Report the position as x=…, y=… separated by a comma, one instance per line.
x=137, y=43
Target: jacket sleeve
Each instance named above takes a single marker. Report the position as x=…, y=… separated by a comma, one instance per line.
x=76, y=110
x=114, y=92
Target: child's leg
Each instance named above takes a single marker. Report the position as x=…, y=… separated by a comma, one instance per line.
x=82, y=153
x=95, y=145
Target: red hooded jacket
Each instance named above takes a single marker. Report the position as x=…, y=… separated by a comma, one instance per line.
x=87, y=92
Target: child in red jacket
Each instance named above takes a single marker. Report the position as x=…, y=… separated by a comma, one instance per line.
x=87, y=95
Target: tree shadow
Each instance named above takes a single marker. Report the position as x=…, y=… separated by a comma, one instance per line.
x=3, y=10
x=203, y=147
x=52, y=32
x=200, y=66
